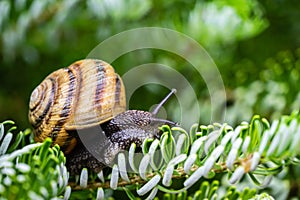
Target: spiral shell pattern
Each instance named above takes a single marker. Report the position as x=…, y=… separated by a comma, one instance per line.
x=85, y=94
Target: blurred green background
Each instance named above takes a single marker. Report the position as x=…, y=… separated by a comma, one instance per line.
x=255, y=45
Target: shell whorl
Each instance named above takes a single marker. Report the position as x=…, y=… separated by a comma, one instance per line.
x=85, y=94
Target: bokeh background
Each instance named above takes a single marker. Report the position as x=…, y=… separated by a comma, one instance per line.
x=255, y=45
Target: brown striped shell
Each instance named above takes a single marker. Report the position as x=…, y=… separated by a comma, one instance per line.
x=85, y=94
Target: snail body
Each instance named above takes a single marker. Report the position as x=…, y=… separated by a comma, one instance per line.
x=85, y=95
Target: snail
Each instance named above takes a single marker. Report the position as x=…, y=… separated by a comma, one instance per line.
x=76, y=102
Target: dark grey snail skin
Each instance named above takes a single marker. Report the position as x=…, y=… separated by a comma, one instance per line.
x=132, y=126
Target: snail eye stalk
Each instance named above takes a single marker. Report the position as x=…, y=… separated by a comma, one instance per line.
x=158, y=107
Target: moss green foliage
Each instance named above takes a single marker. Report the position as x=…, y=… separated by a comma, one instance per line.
x=275, y=93
x=199, y=164
x=30, y=171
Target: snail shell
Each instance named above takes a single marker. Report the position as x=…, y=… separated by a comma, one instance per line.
x=85, y=94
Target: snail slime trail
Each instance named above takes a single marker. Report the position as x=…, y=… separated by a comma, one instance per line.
x=83, y=109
